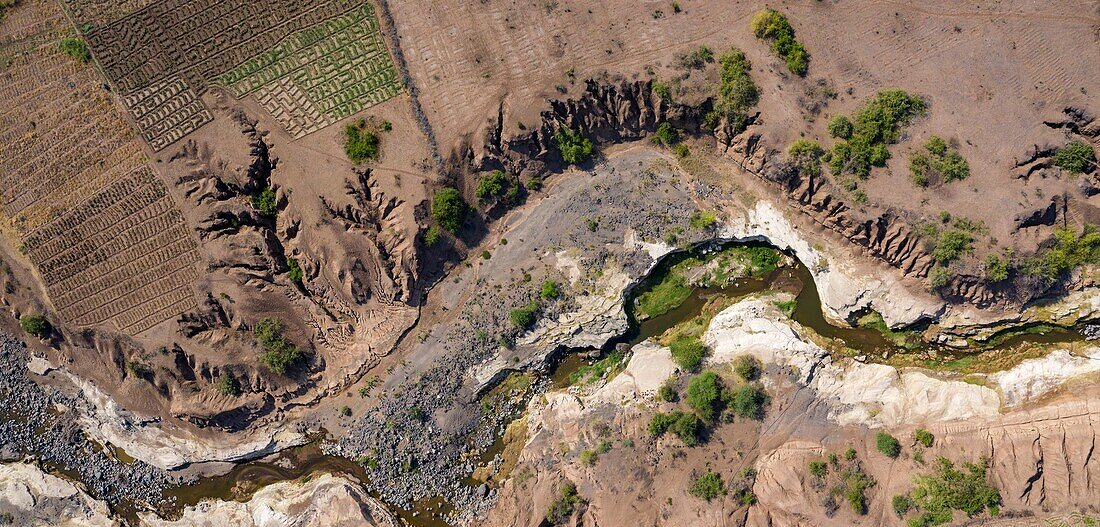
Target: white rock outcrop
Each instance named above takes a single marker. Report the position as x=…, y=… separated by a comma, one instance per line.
x=32, y=498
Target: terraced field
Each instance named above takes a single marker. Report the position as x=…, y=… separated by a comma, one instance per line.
x=308, y=64
x=108, y=241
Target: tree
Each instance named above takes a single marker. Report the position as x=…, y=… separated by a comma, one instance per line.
x=574, y=147
x=704, y=395
x=887, y=444
x=736, y=91
x=75, y=48
x=749, y=401
x=278, y=353
x=549, y=290
x=449, y=209
x=562, y=508
x=361, y=144
x=36, y=325
x=1076, y=157
x=840, y=126
x=523, y=317
x=708, y=486
x=266, y=201
x=747, y=367
x=687, y=352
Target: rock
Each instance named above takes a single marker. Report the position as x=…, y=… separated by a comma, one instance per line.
x=34, y=498
x=322, y=501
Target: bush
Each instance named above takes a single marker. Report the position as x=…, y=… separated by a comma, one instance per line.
x=952, y=245
x=938, y=277
x=666, y=135
x=948, y=489
x=687, y=352
x=523, y=317
x=36, y=325
x=227, y=384
x=937, y=163
x=278, y=353
x=771, y=24
x=736, y=91
x=294, y=270
x=887, y=444
x=923, y=437
x=1069, y=251
x=877, y=124
x=448, y=209
x=857, y=484
x=840, y=126
x=819, y=468
x=684, y=425
x=496, y=185
x=431, y=236
x=996, y=268
x=266, y=202
x=1076, y=157
x=660, y=423
x=667, y=392
x=75, y=48
x=562, y=508
x=747, y=367
x=697, y=59
x=360, y=144
x=704, y=395
x=806, y=154
x=703, y=219
x=681, y=150
x=901, y=505
x=708, y=486
x=549, y=290
x=574, y=147
x=749, y=401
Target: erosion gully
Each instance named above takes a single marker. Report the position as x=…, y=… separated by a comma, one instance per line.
x=244, y=479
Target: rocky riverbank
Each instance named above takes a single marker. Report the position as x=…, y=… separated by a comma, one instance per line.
x=45, y=422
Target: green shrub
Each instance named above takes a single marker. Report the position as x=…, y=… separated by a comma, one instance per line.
x=703, y=219
x=562, y=508
x=949, y=489
x=771, y=24
x=887, y=444
x=660, y=423
x=662, y=90
x=937, y=162
x=75, y=48
x=850, y=454
x=877, y=124
x=1075, y=157
x=996, y=268
x=449, y=209
x=523, y=317
x=574, y=147
x=496, y=185
x=667, y=392
x=431, y=236
x=278, y=353
x=704, y=395
x=549, y=290
x=749, y=401
x=938, y=277
x=806, y=154
x=819, y=468
x=952, y=245
x=360, y=144
x=681, y=150
x=684, y=425
x=856, y=484
x=266, y=202
x=708, y=486
x=589, y=457
x=687, y=352
x=1069, y=251
x=901, y=504
x=591, y=373
x=736, y=91
x=36, y=325
x=840, y=126
x=294, y=270
x=747, y=367
x=227, y=384
x=697, y=59
x=666, y=135
x=787, y=306
x=923, y=437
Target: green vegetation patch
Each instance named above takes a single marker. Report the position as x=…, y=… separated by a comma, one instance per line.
x=684, y=425
x=1070, y=250
x=737, y=94
x=748, y=401
x=574, y=147
x=901, y=338
x=937, y=163
x=497, y=186
x=278, y=353
x=887, y=444
x=36, y=325
x=708, y=486
x=361, y=144
x=1076, y=157
x=688, y=352
x=665, y=296
x=666, y=135
x=265, y=200
x=923, y=437
x=806, y=154
x=705, y=395
x=773, y=25
x=549, y=290
x=294, y=270
x=561, y=509
x=877, y=124
x=523, y=317
x=75, y=48
x=449, y=209
x=227, y=384
x=936, y=496
x=608, y=366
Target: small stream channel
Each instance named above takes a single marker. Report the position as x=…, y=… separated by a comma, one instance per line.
x=246, y=478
